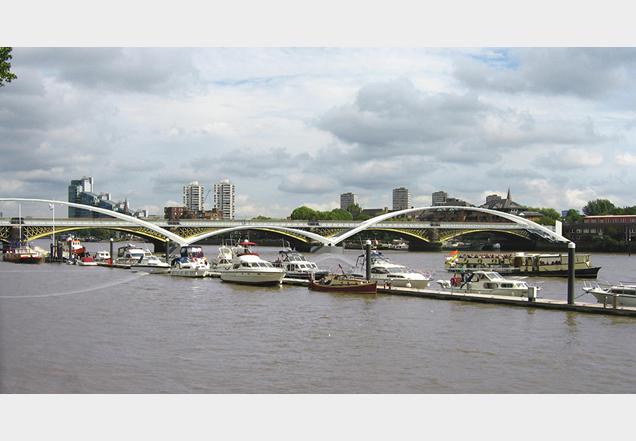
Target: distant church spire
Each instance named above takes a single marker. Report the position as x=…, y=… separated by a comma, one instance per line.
x=508, y=197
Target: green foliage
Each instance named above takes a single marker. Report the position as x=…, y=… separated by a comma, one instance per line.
x=572, y=216
x=340, y=214
x=306, y=213
x=600, y=207
x=261, y=218
x=5, y=66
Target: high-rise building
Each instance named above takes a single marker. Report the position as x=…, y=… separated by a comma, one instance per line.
x=224, y=198
x=78, y=186
x=193, y=196
x=401, y=199
x=347, y=200
x=439, y=198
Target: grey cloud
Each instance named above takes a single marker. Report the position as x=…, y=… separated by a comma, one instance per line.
x=584, y=72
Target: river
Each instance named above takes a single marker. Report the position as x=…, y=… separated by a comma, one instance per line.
x=70, y=329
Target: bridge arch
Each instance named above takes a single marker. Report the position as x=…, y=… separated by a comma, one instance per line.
x=169, y=234
x=265, y=227
x=68, y=229
x=528, y=224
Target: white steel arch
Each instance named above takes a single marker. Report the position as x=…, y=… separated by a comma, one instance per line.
x=308, y=234
x=174, y=237
x=533, y=226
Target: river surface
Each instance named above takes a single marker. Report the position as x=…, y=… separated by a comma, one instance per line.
x=70, y=329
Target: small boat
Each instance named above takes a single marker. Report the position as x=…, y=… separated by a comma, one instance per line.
x=23, y=254
x=128, y=255
x=190, y=263
x=87, y=260
x=386, y=272
x=223, y=259
x=486, y=282
x=343, y=283
x=624, y=294
x=297, y=267
x=249, y=269
x=76, y=247
x=150, y=264
x=102, y=256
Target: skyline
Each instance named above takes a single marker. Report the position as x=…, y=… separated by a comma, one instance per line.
x=295, y=127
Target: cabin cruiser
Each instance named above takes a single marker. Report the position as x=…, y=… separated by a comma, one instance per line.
x=623, y=294
x=129, y=255
x=102, y=256
x=248, y=268
x=486, y=282
x=223, y=259
x=297, y=267
x=385, y=272
x=190, y=263
x=150, y=264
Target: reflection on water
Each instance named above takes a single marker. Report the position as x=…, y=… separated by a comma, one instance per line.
x=84, y=329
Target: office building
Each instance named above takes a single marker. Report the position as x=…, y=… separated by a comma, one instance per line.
x=78, y=186
x=401, y=199
x=193, y=196
x=438, y=198
x=347, y=200
x=224, y=198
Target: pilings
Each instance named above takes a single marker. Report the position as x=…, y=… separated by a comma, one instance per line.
x=111, y=251
x=571, y=264
x=367, y=251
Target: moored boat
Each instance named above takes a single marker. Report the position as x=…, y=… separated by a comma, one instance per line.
x=128, y=255
x=250, y=269
x=150, y=264
x=23, y=254
x=622, y=294
x=522, y=264
x=86, y=260
x=386, y=272
x=487, y=282
x=343, y=283
x=297, y=267
x=190, y=263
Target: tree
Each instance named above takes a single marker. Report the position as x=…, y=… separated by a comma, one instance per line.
x=572, y=216
x=5, y=67
x=340, y=214
x=261, y=218
x=599, y=207
x=304, y=213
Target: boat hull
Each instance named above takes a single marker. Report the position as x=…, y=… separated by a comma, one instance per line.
x=150, y=269
x=365, y=288
x=253, y=278
x=582, y=273
x=188, y=272
x=16, y=258
x=608, y=298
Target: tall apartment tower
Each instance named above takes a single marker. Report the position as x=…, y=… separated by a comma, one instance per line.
x=83, y=185
x=439, y=198
x=193, y=196
x=347, y=200
x=401, y=199
x=224, y=198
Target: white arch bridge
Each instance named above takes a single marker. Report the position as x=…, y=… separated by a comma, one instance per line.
x=333, y=232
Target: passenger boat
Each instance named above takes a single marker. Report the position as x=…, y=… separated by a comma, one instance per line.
x=524, y=264
x=23, y=254
x=248, y=268
x=297, y=267
x=343, y=283
x=190, y=263
x=486, y=282
x=624, y=294
x=386, y=272
x=150, y=264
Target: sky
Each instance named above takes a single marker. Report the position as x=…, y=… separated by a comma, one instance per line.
x=299, y=126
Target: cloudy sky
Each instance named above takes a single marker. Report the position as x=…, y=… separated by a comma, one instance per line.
x=300, y=126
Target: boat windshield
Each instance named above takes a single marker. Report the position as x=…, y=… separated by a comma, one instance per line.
x=493, y=276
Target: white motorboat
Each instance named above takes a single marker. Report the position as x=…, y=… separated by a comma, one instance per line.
x=102, y=256
x=387, y=273
x=223, y=259
x=486, y=282
x=129, y=255
x=150, y=264
x=248, y=268
x=297, y=267
x=624, y=294
x=190, y=263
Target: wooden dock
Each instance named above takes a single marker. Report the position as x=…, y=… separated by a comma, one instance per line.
x=523, y=302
